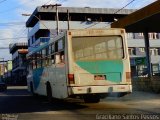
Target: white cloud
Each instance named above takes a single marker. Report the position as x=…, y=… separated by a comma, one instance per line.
x=5, y=33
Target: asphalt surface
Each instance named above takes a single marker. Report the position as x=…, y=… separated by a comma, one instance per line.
x=17, y=104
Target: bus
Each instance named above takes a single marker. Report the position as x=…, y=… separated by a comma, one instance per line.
x=84, y=63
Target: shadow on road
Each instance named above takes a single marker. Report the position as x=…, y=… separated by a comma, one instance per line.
x=19, y=101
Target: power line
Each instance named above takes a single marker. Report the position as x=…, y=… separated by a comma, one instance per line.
x=12, y=38
x=124, y=6
x=20, y=31
x=119, y=10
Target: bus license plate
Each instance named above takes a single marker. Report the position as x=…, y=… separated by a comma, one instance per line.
x=100, y=77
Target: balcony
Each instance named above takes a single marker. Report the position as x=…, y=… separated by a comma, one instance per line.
x=16, y=46
x=41, y=25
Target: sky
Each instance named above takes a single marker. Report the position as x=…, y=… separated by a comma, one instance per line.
x=12, y=23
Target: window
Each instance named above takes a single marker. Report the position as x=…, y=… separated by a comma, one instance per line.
x=155, y=68
x=153, y=36
x=131, y=51
x=97, y=48
x=53, y=54
x=154, y=51
x=52, y=48
x=141, y=34
x=60, y=45
x=129, y=35
x=59, y=57
x=47, y=51
x=56, y=46
x=142, y=49
x=43, y=53
x=52, y=59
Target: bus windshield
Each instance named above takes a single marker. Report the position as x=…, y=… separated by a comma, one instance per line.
x=97, y=48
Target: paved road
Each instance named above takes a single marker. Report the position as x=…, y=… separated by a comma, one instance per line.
x=17, y=102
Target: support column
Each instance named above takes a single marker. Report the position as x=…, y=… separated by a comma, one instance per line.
x=147, y=48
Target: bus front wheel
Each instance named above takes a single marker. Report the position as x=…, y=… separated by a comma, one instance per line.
x=91, y=99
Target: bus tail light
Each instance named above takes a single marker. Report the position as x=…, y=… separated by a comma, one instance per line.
x=71, y=78
x=128, y=76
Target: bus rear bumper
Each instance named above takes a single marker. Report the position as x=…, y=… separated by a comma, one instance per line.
x=74, y=90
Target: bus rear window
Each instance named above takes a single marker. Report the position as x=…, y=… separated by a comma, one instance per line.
x=97, y=48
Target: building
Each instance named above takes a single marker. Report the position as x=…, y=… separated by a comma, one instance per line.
x=136, y=49
x=43, y=26
x=8, y=72
x=19, y=62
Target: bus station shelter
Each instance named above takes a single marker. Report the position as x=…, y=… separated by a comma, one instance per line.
x=144, y=20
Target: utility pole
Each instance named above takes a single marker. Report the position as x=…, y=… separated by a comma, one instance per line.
x=57, y=17
x=68, y=19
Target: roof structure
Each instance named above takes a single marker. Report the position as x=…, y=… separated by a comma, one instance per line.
x=141, y=20
x=48, y=12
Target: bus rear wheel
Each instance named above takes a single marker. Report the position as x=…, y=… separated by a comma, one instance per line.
x=32, y=90
x=49, y=92
x=91, y=99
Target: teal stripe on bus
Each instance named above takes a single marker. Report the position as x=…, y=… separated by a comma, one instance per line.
x=113, y=69
x=37, y=73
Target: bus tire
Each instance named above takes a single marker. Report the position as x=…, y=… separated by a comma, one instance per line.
x=49, y=92
x=91, y=99
x=31, y=88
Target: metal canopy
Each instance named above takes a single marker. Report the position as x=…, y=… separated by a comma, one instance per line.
x=147, y=18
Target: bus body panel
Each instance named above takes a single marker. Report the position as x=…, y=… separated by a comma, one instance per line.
x=84, y=71
x=90, y=76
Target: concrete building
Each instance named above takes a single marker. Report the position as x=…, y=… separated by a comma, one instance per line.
x=19, y=62
x=42, y=26
x=42, y=23
x=136, y=49
x=8, y=72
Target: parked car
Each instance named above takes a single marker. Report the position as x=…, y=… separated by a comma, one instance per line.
x=3, y=86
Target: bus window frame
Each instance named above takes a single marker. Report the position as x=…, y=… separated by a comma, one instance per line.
x=122, y=48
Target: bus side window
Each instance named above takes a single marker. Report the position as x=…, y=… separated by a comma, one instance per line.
x=52, y=59
x=57, y=59
x=60, y=57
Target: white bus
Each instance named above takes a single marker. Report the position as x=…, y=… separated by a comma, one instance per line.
x=89, y=63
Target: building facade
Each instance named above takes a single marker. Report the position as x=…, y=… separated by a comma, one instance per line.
x=43, y=26
x=19, y=62
x=136, y=49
